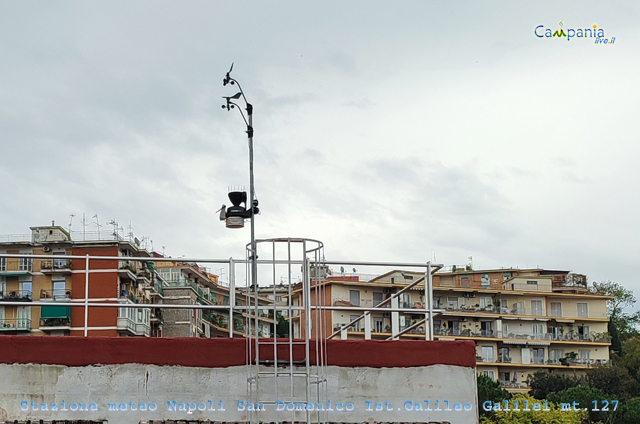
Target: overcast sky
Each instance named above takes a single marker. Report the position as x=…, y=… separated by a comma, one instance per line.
x=390, y=131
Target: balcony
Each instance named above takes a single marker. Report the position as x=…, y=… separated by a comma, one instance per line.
x=15, y=324
x=216, y=319
x=133, y=327
x=127, y=270
x=55, y=295
x=571, y=338
x=514, y=385
x=56, y=266
x=54, y=324
x=16, y=296
x=505, y=312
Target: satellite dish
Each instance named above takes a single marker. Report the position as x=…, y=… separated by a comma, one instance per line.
x=342, y=269
x=354, y=270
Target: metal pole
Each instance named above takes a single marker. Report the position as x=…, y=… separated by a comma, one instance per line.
x=86, y=296
x=254, y=253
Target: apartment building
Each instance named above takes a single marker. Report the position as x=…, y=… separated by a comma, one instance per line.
x=60, y=281
x=521, y=320
x=189, y=284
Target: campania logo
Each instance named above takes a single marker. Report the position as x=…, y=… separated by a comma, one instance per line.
x=594, y=32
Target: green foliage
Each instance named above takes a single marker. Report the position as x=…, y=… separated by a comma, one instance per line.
x=629, y=412
x=490, y=390
x=613, y=380
x=631, y=357
x=584, y=396
x=554, y=416
x=622, y=326
x=544, y=382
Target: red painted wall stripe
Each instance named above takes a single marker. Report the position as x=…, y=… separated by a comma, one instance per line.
x=223, y=352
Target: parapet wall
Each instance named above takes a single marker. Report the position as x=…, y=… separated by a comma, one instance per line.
x=128, y=381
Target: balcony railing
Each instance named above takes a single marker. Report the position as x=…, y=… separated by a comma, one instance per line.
x=56, y=264
x=15, y=324
x=17, y=295
x=514, y=385
x=524, y=336
x=56, y=294
x=55, y=322
x=518, y=311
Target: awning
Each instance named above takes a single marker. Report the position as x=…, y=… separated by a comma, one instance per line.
x=60, y=312
x=14, y=273
x=568, y=321
x=539, y=343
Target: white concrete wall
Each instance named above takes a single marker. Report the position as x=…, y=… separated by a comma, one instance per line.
x=154, y=384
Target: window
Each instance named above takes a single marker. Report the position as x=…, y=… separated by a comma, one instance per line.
x=556, y=354
x=505, y=329
x=536, y=307
x=377, y=298
x=436, y=302
x=59, y=263
x=538, y=330
x=278, y=298
x=584, y=355
x=408, y=277
x=487, y=354
x=485, y=327
x=405, y=300
x=3, y=264
x=485, y=302
x=354, y=297
x=504, y=354
x=506, y=276
x=583, y=332
x=27, y=289
x=454, y=327
x=489, y=374
x=377, y=324
x=532, y=282
x=505, y=376
x=25, y=264
x=555, y=309
x=538, y=355
x=59, y=289
x=452, y=302
x=583, y=310
x=356, y=326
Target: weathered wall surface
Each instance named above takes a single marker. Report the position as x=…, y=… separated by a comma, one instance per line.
x=132, y=384
x=366, y=381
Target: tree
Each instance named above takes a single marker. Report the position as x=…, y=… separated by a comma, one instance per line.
x=631, y=358
x=553, y=416
x=622, y=326
x=613, y=380
x=629, y=412
x=490, y=390
x=584, y=396
x=544, y=382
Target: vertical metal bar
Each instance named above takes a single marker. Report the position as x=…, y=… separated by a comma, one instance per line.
x=86, y=296
x=232, y=294
x=290, y=312
x=308, y=323
x=430, y=289
x=275, y=327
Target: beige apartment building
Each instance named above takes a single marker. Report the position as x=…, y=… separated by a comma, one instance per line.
x=521, y=320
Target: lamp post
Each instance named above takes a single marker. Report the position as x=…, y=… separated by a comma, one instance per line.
x=236, y=214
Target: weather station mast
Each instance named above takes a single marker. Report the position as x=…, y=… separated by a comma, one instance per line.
x=235, y=215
